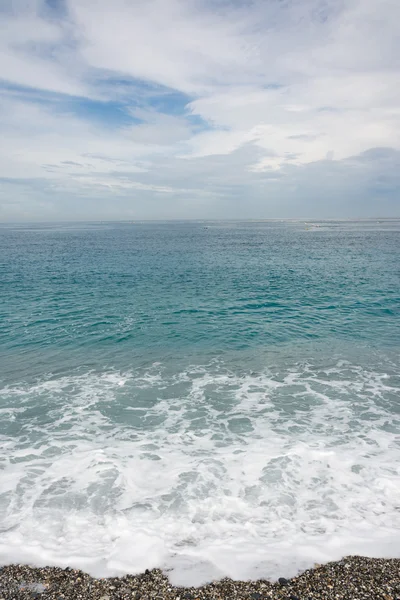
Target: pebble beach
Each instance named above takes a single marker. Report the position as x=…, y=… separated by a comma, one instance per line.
x=352, y=578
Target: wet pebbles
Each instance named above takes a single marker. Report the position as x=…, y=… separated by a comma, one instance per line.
x=354, y=578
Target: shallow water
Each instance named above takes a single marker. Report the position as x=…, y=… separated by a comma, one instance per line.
x=210, y=398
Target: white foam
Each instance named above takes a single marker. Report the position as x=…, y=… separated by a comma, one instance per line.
x=203, y=473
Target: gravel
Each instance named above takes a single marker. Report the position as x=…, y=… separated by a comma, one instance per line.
x=354, y=577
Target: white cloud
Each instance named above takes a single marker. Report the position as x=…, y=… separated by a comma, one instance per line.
x=158, y=129
x=34, y=51
x=178, y=44
x=273, y=90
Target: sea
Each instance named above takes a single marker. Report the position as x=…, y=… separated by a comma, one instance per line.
x=210, y=398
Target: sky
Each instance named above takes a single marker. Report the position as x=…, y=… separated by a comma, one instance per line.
x=180, y=109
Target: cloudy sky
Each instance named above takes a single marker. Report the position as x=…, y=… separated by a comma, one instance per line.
x=162, y=109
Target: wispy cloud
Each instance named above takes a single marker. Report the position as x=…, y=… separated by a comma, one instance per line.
x=186, y=108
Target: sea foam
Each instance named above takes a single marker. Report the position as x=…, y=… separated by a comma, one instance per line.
x=203, y=472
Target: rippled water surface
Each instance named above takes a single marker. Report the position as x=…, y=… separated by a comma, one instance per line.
x=210, y=398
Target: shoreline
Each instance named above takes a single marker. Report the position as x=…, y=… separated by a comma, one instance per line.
x=351, y=578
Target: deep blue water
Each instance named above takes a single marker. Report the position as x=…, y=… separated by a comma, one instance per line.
x=210, y=397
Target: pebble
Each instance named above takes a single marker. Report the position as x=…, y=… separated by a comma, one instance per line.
x=353, y=578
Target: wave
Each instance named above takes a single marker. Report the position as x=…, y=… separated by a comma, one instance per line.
x=203, y=472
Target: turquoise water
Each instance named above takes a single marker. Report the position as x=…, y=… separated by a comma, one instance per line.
x=217, y=398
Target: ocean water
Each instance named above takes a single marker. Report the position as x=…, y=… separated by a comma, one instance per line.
x=215, y=399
